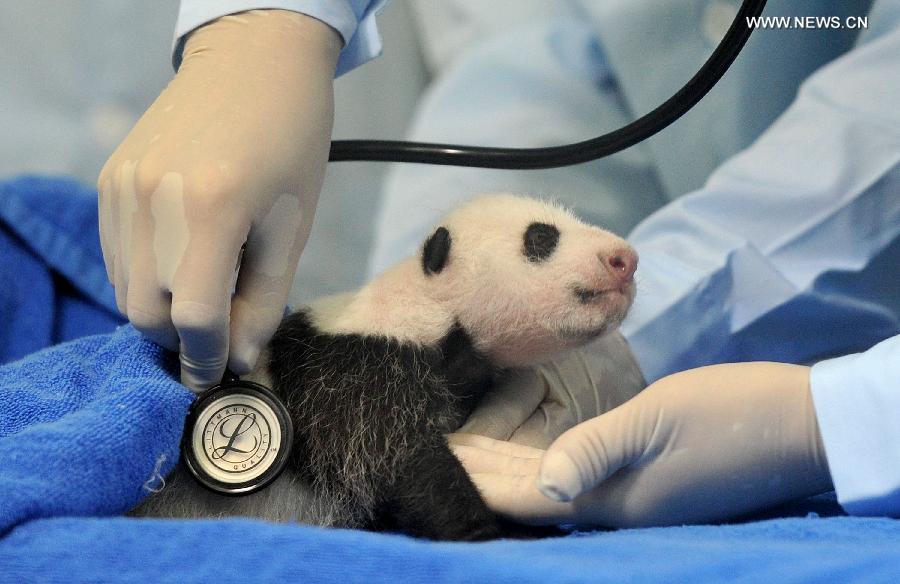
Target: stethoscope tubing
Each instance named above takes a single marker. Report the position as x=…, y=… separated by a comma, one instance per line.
x=569, y=154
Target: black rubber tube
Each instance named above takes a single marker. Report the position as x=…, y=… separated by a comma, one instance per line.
x=569, y=154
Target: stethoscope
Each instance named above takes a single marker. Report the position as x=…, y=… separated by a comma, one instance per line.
x=551, y=157
x=238, y=434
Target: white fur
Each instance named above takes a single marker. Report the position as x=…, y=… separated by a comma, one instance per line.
x=396, y=304
x=518, y=312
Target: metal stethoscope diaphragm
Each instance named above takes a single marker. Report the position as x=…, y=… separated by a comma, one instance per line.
x=237, y=438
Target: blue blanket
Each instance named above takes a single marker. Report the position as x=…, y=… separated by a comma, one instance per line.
x=89, y=427
x=53, y=285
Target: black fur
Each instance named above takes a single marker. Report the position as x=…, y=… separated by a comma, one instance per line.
x=540, y=241
x=369, y=415
x=585, y=295
x=436, y=251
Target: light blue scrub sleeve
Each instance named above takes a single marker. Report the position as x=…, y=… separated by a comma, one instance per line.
x=857, y=401
x=354, y=20
x=791, y=251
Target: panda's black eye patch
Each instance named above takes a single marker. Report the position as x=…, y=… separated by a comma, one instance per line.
x=540, y=241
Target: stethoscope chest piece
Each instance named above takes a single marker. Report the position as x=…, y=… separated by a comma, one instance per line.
x=237, y=438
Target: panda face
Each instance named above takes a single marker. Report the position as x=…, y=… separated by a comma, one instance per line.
x=526, y=278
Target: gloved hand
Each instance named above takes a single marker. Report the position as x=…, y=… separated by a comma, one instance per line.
x=232, y=151
x=533, y=406
x=698, y=446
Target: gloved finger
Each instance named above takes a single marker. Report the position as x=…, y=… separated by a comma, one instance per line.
x=517, y=497
x=481, y=454
x=203, y=333
x=477, y=460
x=581, y=385
x=120, y=284
x=544, y=425
x=267, y=271
x=201, y=305
x=594, y=379
x=506, y=405
x=148, y=305
x=124, y=210
x=149, y=313
x=112, y=256
x=489, y=444
x=105, y=223
x=591, y=452
x=252, y=327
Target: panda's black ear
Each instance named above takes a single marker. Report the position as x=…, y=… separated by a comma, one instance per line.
x=436, y=251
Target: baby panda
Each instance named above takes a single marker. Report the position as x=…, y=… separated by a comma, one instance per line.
x=375, y=378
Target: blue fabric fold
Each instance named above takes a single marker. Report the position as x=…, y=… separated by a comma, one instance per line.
x=85, y=425
x=54, y=281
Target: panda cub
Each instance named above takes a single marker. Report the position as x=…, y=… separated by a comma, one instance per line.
x=375, y=378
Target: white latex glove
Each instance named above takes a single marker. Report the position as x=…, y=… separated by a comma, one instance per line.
x=233, y=151
x=698, y=446
x=534, y=406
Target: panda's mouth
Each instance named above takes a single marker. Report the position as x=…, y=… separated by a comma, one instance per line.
x=588, y=295
x=586, y=334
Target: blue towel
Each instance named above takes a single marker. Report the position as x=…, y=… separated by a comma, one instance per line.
x=85, y=424
x=54, y=286
x=88, y=427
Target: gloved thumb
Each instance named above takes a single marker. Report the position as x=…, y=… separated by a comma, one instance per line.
x=594, y=450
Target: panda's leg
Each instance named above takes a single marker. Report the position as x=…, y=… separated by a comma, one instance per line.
x=433, y=497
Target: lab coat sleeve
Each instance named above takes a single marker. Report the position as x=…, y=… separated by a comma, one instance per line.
x=354, y=20
x=857, y=402
x=791, y=251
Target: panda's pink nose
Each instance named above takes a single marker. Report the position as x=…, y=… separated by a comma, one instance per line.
x=621, y=263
